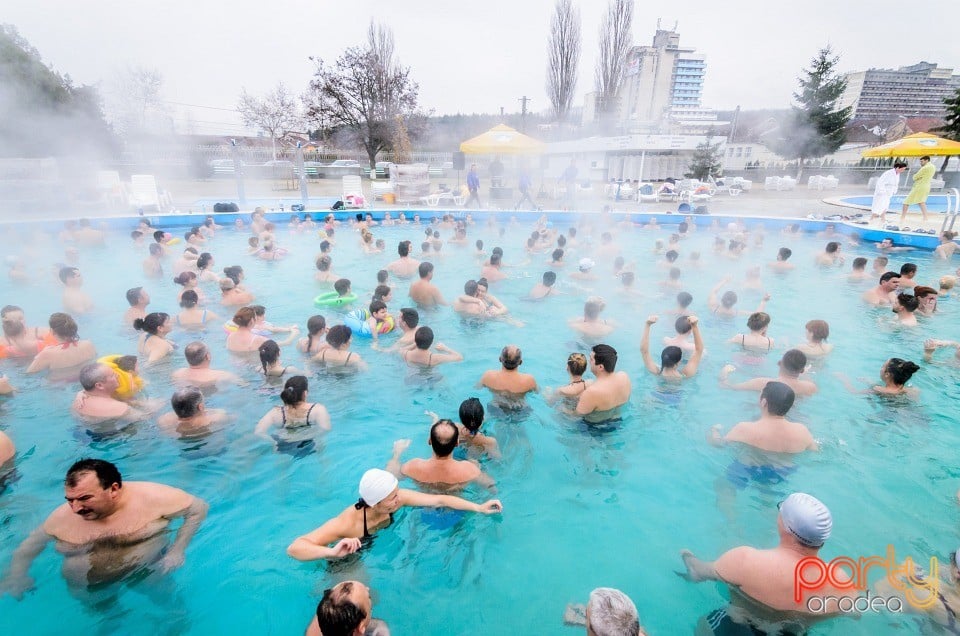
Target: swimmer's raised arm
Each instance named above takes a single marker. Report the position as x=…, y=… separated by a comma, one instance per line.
x=712, y=301
x=291, y=336
x=931, y=345
x=690, y=369
x=424, y=500
x=393, y=466
x=315, y=545
x=645, y=347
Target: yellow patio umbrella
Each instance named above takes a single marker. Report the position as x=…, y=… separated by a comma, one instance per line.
x=502, y=140
x=916, y=145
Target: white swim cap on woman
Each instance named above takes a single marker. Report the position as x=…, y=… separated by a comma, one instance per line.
x=806, y=518
x=375, y=485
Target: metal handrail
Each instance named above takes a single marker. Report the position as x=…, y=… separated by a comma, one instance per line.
x=953, y=209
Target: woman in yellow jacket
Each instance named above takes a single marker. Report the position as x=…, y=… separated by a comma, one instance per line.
x=920, y=190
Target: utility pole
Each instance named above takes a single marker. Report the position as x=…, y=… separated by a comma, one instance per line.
x=523, y=113
x=501, y=112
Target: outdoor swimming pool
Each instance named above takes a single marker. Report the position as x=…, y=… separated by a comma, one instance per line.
x=935, y=202
x=582, y=508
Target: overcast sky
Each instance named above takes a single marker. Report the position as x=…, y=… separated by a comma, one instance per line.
x=467, y=56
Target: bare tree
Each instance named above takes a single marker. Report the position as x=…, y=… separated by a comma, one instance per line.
x=563, y=49
x=277, y=113
x=363, y=92
x=137, y=105
x=615, y=41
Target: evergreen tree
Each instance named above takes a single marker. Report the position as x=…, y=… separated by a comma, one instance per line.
x=951, y=125
x=705, y=161
x=44, y=113
x=815, y=127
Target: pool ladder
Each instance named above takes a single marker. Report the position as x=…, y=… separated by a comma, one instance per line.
x=953, y=209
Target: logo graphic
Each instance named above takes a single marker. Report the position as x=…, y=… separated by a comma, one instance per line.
x=848, y=574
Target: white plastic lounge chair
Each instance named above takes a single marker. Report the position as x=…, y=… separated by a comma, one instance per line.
x=786, y=183
x=110, y=187
x=646, y=192
x=771, y=183
x=143, y=192
x=353, y=192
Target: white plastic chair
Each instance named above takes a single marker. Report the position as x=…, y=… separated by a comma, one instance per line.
x=143, y=192
x=353, y=192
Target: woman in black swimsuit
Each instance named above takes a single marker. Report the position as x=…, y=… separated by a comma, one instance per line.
x=380, y=497
x=296, y=412
x=270, y=364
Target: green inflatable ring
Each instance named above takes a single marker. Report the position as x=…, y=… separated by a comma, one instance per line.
x=333, y=299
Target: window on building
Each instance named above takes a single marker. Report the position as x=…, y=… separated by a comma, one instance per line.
x=748, y=151
x=739, y=151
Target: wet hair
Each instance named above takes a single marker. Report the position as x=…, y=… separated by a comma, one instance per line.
x=901, y=370
x=684, y=299
x=908, y=268
x=758, y=320
x=908, y=302
x=682, y=325
x=151, y=322
x=423, y=338
x=315, y=325
x=471, y=414
x=495, y=259
x=618, y=262
x=382, y=276
x=675, y=273
x=92, y=373
x=922, y=290
x=189, y=299
x=779, y=397
x=672, y=255
x=158, y=236
x=794, y=361
x=133, y=295
x=683, y=227
x=549, y=278
x=511, y=357
x=819, y=329
x=425, y=246
x=831, y=247
x=410, y=317
x=627, y=278
x=376, y=305
x=784, y=253
x=186, y=401
x=470, y=288
x=253, y=241
x=729, y=299
x=339, y=335
x=497, y=250
x=881, y=261
x=381, y=292
x=859, y=263
x=136, y=235
x=605, y=356
x=425, y=269
x=155, y=249
x=948, y=282
x=8, y=309
x=561, y=241
x=337, y=615
x=259, y=310
x=294, y=390
x=591, y=309
x=184, y=277
x=269, y=353
x=67, y=272
x=670, y=357
x=195, y=353
x=403, y=248
x=324, y=245
x=887, y=276
x=949, y=235
x=482, y=282
x=577, y=363
x=244, y=317
x=479, y=244
x=12, y=328
x=63, y=326
x=233, y=272
x=107, y=473
x=899, y=164
x=557, y=254
x=342, y=286
x=444, y=437
x=204, y=260
x=126, y=363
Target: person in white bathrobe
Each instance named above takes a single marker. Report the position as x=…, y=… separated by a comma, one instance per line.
x=886, y=187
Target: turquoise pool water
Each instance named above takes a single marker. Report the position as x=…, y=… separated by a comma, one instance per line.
x=581, y=508
x=935, y=203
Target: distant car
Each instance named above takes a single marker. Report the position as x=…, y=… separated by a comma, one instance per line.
x=278, y=163
x=345, y=163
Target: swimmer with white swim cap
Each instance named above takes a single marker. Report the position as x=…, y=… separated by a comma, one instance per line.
x=762, y=582
x=380, y=498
